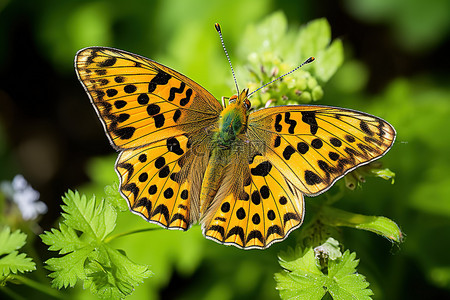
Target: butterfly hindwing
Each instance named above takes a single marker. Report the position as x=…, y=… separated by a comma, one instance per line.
x=161, y=181
x=314, y=146
x=139, y=100
x=265, y=210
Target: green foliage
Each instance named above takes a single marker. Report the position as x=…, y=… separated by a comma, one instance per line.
x=85, y=255
x=270, y=50
x=114, y=197
x=402, y=16
x=11, y=261
x=380, y=225
x=303, y=278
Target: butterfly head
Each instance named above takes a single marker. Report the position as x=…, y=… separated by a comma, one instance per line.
x=241, y=100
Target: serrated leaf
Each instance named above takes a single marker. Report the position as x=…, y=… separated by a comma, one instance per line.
x=112, y=275
x=299, y=261
x=64, y=240
x=106, y=271
x=68, y=268
x=347, y=283
x=15, y=262
x=302, y=278
x=11, y=241
x=94, y=217
x=11, y=261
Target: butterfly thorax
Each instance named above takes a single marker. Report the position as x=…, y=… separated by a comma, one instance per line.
x=233, y=120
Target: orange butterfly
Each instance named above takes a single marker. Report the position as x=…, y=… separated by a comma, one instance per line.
x=184, y=158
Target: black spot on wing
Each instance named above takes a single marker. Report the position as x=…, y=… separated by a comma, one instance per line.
x=173, y=145
x=237, y=230
x=107, y=62
x=163, y=210
x=263, y=169
x=159, y=120
x=178, y=216
x=364, y=127
x=124, y=133
x=186, y=100
x=219, y=229
x=274, y=229
x=290, y=216
x=312, y=178
x=175, y=90
x=143, y=202
x=161, y=78
x=255, y=234
x=309, y=117
x=278, y=126
x=131, y=187
x=288, y=151
x=292, y=123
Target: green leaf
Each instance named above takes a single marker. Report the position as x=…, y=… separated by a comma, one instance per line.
x=64, y=240
x=314, y=40
x=343, y=280
x=271, y=50
x=329, y=60
x=114, y=275
x=265, y=36
x=302, y=278
x=114, y=197
x=380, y=225
x=69, y=268
x=314, y=37
x=11, y=261
x=85, y=254
x=95, y=218
x=11, y=241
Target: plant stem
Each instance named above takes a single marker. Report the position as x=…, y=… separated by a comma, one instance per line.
x=39, y=286
x=11, y=293
x=113, y=237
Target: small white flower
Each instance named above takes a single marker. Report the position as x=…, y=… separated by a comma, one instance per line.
x=25, y=197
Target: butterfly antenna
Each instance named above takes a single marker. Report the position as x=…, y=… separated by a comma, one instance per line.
x=309, y=60
x=219, y=30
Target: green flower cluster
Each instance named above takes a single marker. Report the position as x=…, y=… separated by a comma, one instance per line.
x=279, y=51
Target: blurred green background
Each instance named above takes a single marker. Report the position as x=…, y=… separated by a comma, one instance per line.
x=396, y=67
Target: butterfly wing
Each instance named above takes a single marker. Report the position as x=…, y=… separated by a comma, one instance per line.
x=162, y=181
x=254, y=206
x=313, y=146
x=141, y=101
x=154, y=115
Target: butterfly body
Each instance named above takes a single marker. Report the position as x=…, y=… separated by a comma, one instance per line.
x=186, y=159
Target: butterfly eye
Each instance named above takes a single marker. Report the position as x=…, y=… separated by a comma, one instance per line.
x=247, y=104
x=233, y=99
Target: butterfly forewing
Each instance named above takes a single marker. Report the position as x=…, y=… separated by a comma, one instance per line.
x=314, y=146
x=141, y=101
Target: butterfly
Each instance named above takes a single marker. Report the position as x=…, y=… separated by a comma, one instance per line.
x=185, y=158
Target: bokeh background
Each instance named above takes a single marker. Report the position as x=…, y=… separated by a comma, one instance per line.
x=396, y=67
